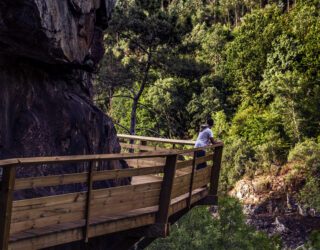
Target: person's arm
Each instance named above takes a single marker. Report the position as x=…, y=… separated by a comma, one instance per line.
x=211, y=137
x=212, y=140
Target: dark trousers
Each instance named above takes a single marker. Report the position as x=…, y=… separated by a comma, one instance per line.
x=201, y=153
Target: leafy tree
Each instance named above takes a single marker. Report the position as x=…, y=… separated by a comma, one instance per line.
x=138, y=31
x=291, y=77
x=246, y=55
x=306, y=157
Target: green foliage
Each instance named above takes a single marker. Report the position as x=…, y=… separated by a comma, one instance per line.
x=221, y=125
x=168, y=98
x=314, y=241
x=306, y=157
x=291, y=77
x=254, y=69
x=246, y=55
x=198, y=230
x=204, y=105
x=238, y=159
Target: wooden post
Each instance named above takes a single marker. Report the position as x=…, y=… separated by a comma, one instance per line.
x=89, y=197
x=6, y=198
x=131, y=150
x=215, y=172
x=165, y=194
x=192, y=177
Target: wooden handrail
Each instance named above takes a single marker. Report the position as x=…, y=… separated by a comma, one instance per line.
x=155, y=139
x=97, y=157
x=82, y=158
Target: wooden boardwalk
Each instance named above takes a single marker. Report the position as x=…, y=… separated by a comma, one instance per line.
x=165, y=185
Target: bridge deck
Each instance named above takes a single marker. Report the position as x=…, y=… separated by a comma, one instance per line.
x=164, y=183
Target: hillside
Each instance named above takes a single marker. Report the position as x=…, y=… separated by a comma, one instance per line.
x=252, y=66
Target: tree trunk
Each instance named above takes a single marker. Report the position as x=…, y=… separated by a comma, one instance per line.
x=133, y=117
x=236, y=15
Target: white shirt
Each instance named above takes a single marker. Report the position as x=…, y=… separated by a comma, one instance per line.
x=204, y=138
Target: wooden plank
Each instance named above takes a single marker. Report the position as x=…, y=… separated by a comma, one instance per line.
x=49, y=240
x=166, y=191
x=134, y=221
x=130, y=172
x=180, y=202
x=104, y=225
x=145, y=179
x=143, y=148
x=183, y=164
x=82, y=158
x=181, y=184
x=114, y=204
x=114, y=209
x=204, y=159
x=146, y=163
x=54, y=180
x=98, y=157
x=33, y=208
x=155, y=139
x=44, y=212
x=42, y=222
x=6, y=197
x=114, y=201
x=113, y=195
x=126, y=190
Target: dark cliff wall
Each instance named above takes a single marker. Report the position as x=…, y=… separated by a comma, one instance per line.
x=48, y=49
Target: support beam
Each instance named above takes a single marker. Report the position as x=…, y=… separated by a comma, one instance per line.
x=6, y=198
x=215, y=172
x=192, y=178
x=165, y=194
x=91, y=170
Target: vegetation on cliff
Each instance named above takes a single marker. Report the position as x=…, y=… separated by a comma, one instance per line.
x=253, y=66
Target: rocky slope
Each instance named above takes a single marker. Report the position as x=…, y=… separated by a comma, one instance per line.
x=271, y=206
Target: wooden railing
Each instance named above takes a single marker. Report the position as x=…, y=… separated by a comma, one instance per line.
x=164, y=183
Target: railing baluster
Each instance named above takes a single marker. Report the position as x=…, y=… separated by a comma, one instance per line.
x=6, y=198
x=89, y=197
x=165, y=194
x=192, y=178
x=215, y=173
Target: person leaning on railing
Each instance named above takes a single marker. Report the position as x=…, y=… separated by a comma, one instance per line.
x=205, y=138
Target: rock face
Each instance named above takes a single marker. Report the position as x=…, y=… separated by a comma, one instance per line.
x=54, y=32
x=270, y=207
x=48, y=50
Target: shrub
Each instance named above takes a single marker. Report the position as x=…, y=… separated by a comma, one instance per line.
x=198, y=230
x=306, y=157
